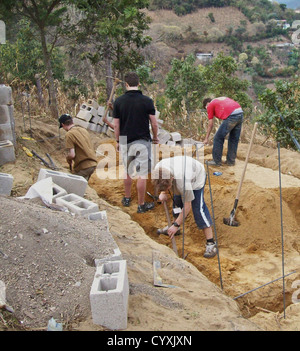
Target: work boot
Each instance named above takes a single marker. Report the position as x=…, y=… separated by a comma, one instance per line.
x=210, y=251
x=229, y=163
x=147, y=206
x=126, y=201
x=213, y=163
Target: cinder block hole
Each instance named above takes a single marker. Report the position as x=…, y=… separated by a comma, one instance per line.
x=82, y=204
x=107, y=284
x=70, y=198
x=55, y=191
x=111, y=267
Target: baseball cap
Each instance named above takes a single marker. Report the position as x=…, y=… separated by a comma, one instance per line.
x=63, y=119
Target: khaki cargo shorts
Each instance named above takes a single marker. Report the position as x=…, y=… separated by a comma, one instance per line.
x=136, y=158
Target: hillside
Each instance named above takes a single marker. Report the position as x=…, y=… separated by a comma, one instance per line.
x=250, y=255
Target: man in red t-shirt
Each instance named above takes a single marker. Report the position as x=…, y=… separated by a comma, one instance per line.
x=231, y=113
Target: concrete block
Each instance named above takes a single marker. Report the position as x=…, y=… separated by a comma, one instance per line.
x=175, y=136
x=86, y=110
x=77, y=204
x=92, y=127
x=58, y=191
x=101, y=123
x=109, y=295
x=104, y=128
x=80, y=122
x=12, y=123
x=101, y=110
x=110, y=132
x=171, y=143
x=5, y=95
x=72, y=183
x=6, y=132
x=163, y=136
x=6, y=183
x=85, y=115
x=117, y=256
x=4, y=114
x=7, y=152
x=93, y=103
x=95, y=119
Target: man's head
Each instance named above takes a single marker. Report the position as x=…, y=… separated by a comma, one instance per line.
x=206, y=102
x=65, y=120
x=132, y=79
x=162, y=179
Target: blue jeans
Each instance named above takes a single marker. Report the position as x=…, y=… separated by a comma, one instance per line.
x=232, y=125
x=200, y=211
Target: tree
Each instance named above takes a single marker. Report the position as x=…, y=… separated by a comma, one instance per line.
x=283, y=102
x=185, y=84
x=21, y=59
x=116, y=28
x=223, y=81
x=47, y=18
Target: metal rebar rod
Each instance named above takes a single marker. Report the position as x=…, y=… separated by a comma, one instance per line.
x=281, y=224
x=259, y=287
x=183, y=209
x=215, y=230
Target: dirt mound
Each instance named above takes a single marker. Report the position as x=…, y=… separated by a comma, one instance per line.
x=47, y=261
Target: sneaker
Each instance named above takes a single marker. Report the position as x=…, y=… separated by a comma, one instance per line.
x=213, y=163
x=210, y=251
x=126, y=201
x=147, y=206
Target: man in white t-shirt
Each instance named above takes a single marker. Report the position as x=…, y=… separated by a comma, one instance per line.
x=186, y=177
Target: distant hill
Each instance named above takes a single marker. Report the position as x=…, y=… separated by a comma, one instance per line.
x=291, y=4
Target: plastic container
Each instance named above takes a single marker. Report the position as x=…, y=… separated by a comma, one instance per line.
x=53, y=325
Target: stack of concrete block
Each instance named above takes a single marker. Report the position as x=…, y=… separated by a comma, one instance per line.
x=109, y=295
x=7, y=126
x=6, y=183
x=90, y=116
x=68, y=192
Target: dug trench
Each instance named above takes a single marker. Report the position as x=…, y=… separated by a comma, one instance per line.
x=251, y=255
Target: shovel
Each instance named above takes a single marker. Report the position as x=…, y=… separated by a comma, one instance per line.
x=231, y=220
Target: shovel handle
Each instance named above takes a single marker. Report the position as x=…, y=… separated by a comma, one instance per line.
x=116, y=82
x=169, y=225
x=246, y=161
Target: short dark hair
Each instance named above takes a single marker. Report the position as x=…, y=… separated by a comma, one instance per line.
x=206, y=101
x=132, y=79
x=65, y=119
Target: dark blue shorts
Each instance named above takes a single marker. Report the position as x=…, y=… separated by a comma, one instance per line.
x=200, y=211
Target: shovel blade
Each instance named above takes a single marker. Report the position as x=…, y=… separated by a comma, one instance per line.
x=231, y=222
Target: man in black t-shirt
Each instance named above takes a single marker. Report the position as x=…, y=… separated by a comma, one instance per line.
x=132, y=113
